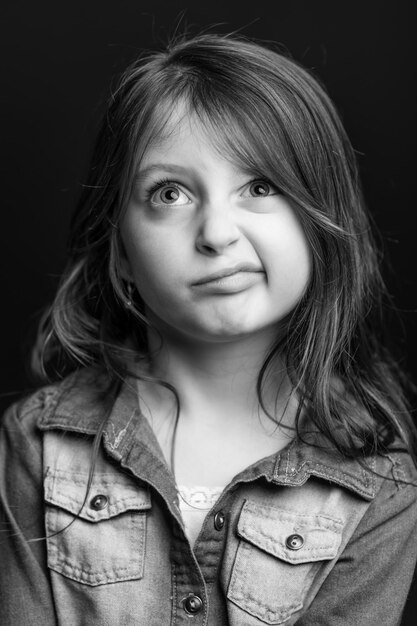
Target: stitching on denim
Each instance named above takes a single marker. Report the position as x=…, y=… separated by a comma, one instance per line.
x=287, y=467
x=252, y=536
x=54, y=496
x=308, y=467
x=369, y=481
x=138, y=545
x=120, y=502
x=397, y=472
x=105, y=572
x=238, y=591
x=76, y=574
x=205, y=606
x=98, y=516
x=293, y=556
x=344, y=478
x=259, y=532
x=239, y=573
x=282, y=614
x=243, y=578
x=174, y=595
x=119, y=437
x=100, y=481
x=270, y=510
x=59, y=562
x=105, y=478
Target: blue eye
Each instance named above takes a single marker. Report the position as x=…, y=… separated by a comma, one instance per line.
x=261, y=189
x=167, y=193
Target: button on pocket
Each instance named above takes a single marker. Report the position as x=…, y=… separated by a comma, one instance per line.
x=294, y=542
x=99, y=502
x=101, y=540
x=278, y=554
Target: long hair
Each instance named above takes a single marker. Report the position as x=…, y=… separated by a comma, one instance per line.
x=271, y=116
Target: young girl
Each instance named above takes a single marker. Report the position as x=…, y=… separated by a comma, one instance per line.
x=229, y=442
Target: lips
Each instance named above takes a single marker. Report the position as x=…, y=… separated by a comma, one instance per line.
x=226, y=272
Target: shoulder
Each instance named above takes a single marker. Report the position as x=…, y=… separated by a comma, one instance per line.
x=397, y=479
x=81, y=387
x=314, y=456
x=18, y=425
x=391, y=517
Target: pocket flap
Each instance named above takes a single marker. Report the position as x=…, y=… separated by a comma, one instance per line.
x=291, y=536
x=110, y=494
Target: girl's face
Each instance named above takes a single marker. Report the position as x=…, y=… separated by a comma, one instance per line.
x=216, y=253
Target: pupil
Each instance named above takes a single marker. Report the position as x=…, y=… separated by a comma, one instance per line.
x=170, y=195
x=260, y=189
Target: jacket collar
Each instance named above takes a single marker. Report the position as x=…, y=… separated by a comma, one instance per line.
x=299, y=461
x=75, y=405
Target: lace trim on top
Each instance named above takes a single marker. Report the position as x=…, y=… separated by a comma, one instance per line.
x=198, y=497
x=194, y=504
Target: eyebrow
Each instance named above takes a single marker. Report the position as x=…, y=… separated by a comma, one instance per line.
x=167, y=167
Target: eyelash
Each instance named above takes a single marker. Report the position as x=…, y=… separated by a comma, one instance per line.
x=157, y=185
x=162, y=182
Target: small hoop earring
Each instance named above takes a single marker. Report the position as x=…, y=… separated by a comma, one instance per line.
x=129, y=301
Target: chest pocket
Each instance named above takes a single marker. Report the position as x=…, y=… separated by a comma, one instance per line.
x=102, y=540
x=279, y=553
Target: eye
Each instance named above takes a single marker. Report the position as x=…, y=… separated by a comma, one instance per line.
x=261, y=189
x=167, y=193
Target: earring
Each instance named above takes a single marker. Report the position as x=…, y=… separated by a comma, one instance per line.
x=129, y=301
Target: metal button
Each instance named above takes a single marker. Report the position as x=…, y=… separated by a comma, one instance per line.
x=99, y=502
x=219, y=520
x=193, y=604
x=294, y=542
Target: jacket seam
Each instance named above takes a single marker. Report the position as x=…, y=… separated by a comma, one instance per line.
x=397, y=472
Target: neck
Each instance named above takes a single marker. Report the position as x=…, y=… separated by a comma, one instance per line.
x=216, y=380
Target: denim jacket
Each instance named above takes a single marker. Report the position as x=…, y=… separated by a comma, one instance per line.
x=301, y=537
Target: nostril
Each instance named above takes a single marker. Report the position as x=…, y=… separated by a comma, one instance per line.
x=212, y=246
x=208, y=249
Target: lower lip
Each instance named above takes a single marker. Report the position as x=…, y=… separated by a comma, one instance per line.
x=230, y=284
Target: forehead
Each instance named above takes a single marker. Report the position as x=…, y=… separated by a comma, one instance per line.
x=183, y=134
x=184, y=137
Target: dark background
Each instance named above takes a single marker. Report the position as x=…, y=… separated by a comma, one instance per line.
x=57, y=62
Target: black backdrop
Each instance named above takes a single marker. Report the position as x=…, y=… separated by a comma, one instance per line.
x=58, y=59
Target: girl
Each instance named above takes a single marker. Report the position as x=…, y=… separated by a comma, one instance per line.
x=230, y=444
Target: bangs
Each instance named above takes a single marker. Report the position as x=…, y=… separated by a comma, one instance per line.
x=248, y=133
x=262, y=112
x=257, y=113
x=248, y=137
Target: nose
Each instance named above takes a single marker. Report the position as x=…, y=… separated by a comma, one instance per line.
x=217, y=231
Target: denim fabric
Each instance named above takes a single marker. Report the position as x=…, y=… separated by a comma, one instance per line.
x=309, y=537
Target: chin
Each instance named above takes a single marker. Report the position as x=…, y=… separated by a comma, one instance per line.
x=212, y=327
x=223, y=332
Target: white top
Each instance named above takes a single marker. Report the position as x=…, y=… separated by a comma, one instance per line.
x=195, y=502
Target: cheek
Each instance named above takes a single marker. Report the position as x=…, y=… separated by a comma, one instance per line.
x=287, y=258
x=152, y=262
x=293, y=266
